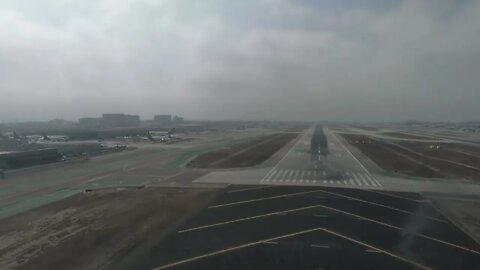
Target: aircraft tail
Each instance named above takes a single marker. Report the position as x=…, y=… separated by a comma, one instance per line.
x=45, y=137
x=171, y=132
x=149, y=136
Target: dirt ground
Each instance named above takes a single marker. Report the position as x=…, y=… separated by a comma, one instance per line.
x=406, y=136
x=388, y=159
x=418, y=158
x=94, y=229
x=444, y=150
x=465, y=148
x=466, y=214
x=249, y=153
x=367, y=128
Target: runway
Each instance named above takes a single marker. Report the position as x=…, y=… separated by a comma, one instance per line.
x=339, y=168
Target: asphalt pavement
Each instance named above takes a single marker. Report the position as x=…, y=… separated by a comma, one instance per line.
x=293, y=227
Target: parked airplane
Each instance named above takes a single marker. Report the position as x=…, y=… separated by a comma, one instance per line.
x=20, y=139
x=54, y=138
x=160, y=136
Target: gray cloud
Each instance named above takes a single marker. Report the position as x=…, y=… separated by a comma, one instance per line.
x=386, y=60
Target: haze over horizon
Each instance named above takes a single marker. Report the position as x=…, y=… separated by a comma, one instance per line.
x=366, y=60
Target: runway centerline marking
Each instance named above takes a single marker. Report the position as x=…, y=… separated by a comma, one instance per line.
x=218, y=252
x=354, y=177
x=282, y=212
x=264, y=199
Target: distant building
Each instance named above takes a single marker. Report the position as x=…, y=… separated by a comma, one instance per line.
x=89, y=122
x=163, y=119
x=60, y=123
x=178, y=120
x=120, y=120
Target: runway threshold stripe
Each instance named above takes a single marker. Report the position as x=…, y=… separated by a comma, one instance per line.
x=297, y=174
x=361, y=176
x=369, y=178
x=372, y=180
x=376, y=181
x=266, y=177
x=356, y=180
x=280, y=175
x=272, y=174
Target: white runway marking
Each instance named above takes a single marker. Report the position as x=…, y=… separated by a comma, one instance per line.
x=297, y=174
x=319, y=246
x=274, y=239
x=289, y=151
x=265, y=198
x=273, y=174
x=281, y=174
x=235, y=248
x=353, y=179
x=361, y=177
x=356, y=180
x=247, y=189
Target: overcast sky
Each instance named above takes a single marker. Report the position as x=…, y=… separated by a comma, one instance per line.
x=246, y=59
